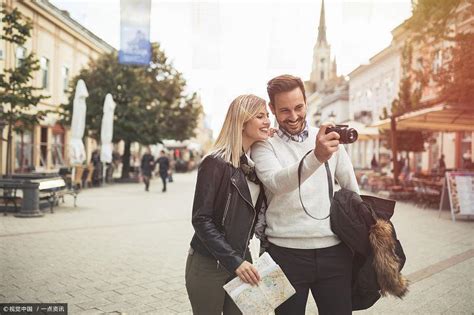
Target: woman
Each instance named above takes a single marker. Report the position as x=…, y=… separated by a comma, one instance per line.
x=227, y=201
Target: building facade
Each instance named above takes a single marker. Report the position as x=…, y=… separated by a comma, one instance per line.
x=429, y=57
x=63, y=47
x=372, y=89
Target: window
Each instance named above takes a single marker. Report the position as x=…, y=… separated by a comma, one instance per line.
x=44, y=66
x=437, y=61
x=57, y=149
x=419, y=63
x=20, y=55
x=24, y=151
x=65, y=78
x=322, y=75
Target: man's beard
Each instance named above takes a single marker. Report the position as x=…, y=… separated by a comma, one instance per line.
x=301, y=121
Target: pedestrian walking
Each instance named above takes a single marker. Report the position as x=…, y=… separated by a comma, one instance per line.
x=147, y=166
x=164, y=166
x=227, y=202
x=309, y=253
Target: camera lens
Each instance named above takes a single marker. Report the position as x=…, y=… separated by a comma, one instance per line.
x=352, y=135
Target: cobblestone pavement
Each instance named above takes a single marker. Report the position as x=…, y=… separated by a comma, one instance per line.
x=123, y=250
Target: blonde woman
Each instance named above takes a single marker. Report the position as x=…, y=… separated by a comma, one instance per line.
x=227, y=201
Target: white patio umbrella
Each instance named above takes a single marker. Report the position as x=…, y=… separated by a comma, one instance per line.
x=77, y=153
x=107, y=129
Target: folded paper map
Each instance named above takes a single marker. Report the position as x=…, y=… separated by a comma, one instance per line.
x=273, y=289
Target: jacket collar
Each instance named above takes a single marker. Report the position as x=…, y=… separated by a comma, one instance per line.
x=240, y=182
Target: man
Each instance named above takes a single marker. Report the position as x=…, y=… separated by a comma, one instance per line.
x=164, y=164
x=312, y=257
x=147, y=167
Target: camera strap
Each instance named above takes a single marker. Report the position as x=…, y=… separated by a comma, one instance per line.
x=330, y=186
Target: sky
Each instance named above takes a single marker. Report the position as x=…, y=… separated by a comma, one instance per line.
x=226, y=48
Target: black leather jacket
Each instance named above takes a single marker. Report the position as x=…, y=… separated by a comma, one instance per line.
x=223, y=217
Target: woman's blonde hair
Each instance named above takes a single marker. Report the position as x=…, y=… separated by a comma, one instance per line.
x=228, y=145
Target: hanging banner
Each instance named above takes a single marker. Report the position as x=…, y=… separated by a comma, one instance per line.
x=135, y=47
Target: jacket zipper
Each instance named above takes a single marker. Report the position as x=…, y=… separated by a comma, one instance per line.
x=223, y=219
x=226, y=209
x=253, y=220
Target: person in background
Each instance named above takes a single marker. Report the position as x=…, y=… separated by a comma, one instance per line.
x=147, y=165
x=164, y=165
x=441, y=165
x=374, y=163
x=97, y=164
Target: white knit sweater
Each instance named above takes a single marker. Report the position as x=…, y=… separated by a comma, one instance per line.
x=277, y=167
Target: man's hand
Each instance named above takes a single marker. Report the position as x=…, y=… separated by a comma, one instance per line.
x=271, y=132
x=248, y=273
x=326, y=144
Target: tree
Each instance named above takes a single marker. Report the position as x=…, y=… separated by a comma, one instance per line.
x=151, y=103
x=434, y=22
x=431, y=24
x=431, y=18
x=408, y=100
x=19, y=99
x=457, y=78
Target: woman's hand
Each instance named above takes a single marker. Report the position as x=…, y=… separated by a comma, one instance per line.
x=248, y=273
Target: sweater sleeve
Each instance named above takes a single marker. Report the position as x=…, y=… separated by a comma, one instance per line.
x=344, y=172
x=273, y=175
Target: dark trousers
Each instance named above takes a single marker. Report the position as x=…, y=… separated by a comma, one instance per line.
x=146, y=180
x=204, y=281
x=326, y=272
x=164, y=177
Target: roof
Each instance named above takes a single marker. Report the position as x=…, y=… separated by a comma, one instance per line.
x=66, y=18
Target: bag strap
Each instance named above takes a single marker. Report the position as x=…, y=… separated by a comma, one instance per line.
x=330, y=186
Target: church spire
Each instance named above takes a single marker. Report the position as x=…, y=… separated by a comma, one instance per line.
x=322, y=26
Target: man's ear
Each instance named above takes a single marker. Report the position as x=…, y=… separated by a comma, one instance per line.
x=272, y=108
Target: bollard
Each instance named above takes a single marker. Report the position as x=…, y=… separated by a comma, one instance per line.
x=30, y=202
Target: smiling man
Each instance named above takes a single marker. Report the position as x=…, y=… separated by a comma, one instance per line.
x=312, y=257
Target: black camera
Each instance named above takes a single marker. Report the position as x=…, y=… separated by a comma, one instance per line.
x=347, y=135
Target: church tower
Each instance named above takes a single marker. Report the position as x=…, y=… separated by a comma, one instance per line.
x=323, y=69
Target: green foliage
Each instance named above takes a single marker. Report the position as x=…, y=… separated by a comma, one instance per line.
x=430, y=19
x=407, y=141
x=151, y=103
x=457, y=78
x=18, y=97
x=435, y=24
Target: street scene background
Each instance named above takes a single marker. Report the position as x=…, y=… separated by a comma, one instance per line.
x=123, y=250
x=82, y=109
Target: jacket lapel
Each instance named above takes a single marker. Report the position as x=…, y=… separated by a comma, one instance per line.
x=240, y=182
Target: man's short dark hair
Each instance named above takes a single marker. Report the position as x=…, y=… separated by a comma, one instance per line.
x=284, y=83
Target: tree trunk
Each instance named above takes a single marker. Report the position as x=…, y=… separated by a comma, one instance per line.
x=126, y=160
x=393, y=134
x=9, y=150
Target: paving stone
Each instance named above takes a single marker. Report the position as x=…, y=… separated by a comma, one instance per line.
x=123, y=249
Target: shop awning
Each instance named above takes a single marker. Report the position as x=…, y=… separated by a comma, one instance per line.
x=437, y=118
